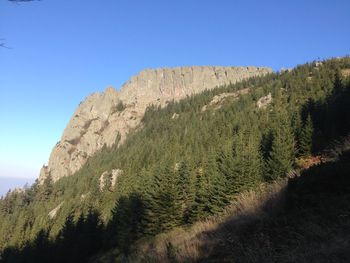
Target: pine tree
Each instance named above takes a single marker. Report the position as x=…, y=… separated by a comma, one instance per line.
x=216, y=186
x=136, y=214
x=67, y=238
x=116, y=229
x=163, y=209
x=247, y=159
x=67, y=232
x=242, y=167
x=186, y=188
x=7, y=204
x=92, y=232
x=199, y=207
x=168, y=200
x=338, y=85
x=296, y=124
x=45, y=190
x=40, y=246
x=282, y=152
x=305, y=138
x=226, y=168
x=125, y=225
x=149, y=220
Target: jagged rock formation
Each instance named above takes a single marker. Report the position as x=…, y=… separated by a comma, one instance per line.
x=107, y=117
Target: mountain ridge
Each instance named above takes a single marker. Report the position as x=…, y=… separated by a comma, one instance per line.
x=187, y=164
x=106, y=118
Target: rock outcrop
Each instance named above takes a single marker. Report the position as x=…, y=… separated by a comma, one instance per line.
x=345, y=72
x=105, y=118
x=52, y=214
x=109, y=179
x=218, y=100
x=265, y=101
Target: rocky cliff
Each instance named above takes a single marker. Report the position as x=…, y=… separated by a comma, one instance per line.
x=103, y=117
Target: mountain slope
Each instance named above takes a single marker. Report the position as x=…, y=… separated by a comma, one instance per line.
x=190, y=160
x=104, y=118
x=303, y=219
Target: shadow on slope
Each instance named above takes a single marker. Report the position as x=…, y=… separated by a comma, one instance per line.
x=80, y=239
x=312, y=226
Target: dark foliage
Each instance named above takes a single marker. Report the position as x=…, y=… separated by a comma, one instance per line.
x=312, y=226
x=178, y=171
x=76, y=242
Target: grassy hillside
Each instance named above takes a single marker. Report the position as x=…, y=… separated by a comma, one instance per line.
x=177, y=171
x=304, y=218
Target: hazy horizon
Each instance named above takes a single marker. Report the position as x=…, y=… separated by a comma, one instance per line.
x=7, y=183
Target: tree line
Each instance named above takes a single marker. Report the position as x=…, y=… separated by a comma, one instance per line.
x=179, y=171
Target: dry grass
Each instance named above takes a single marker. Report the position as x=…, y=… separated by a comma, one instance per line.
x=306, y=163
x=308, y=221
x=186, y=244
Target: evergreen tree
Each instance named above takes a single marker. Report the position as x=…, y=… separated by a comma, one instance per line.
x=216, y=186
x=149, y=220
x=45, y=190
x=41, y=246
x=125, y=225
x=7, y=204
x=199, y=207
x=116, y=229
x=296, y=124
x=193, y=138
x=67, y=233
x=186, y=188
x=91, y=234
x=338, y=85
x=282, y=152
x=163, y=209
x=227, y=169
x=305, y=138
x=67, y=240
x=242, y=167
x=136, y=214
x=167, y=200
x=247, y=159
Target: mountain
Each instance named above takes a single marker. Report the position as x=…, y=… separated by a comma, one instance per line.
x=104, y=118
x=260, y=163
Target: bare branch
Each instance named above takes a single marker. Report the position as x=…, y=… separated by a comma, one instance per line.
x=2, y=44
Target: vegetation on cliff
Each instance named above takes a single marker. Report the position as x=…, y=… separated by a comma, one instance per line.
x=177, y=171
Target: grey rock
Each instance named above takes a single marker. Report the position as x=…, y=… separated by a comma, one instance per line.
x=218, y=100
x=52, y=214
x=263, y=102
x=98, y=121
x=175, y=116
x=110, y=176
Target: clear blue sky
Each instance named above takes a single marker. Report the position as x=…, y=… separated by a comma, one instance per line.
x=61, y=51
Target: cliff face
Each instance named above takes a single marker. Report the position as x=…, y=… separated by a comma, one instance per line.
x=102, y=118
